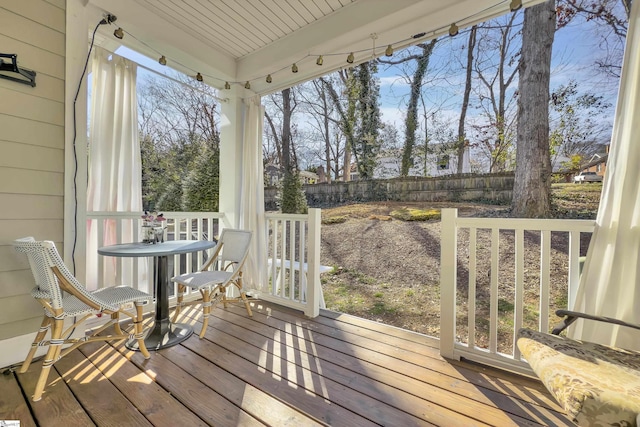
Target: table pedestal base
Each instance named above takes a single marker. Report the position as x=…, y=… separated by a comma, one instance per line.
x=164, y=334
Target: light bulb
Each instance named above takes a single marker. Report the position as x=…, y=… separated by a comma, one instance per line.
x=199, y=77
x=515, y=5
x=350, y=58
x=247, y=85
x=269, y=79
x=389, y=51
x=118, y=33
x=162, y=60
x=320, y=60
x=453, y=30
x=227, y=86
x=294, y=68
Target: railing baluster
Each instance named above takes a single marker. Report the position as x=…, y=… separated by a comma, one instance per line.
x=545, y=279
x=573, y=281
x=493, y=293
x=518, y=310
x=471, y=305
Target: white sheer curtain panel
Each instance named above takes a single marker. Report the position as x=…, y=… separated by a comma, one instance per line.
x=610, y=282
x=115, y=170
x=252, y=197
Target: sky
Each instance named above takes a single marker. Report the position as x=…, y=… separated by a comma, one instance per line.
x=574, y=50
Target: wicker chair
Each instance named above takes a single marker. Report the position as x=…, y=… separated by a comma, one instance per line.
x=595, y=384
x=63, y=297
x=222, y=269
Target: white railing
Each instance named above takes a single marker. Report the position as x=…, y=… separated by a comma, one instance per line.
x=125, y=227
x=293, y=255
x=480, y=316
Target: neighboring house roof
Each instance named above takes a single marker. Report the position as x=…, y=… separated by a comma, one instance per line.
x=597, y=159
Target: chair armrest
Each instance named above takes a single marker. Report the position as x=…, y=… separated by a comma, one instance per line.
x=572, y=316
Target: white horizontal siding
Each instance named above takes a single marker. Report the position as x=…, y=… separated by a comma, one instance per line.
x=32, y=120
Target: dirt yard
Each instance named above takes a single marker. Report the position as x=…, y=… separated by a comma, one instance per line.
x=388, y=269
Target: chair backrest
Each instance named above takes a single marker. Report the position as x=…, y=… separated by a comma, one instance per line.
x=52, y=275
x=31, y=249
x=235, y=247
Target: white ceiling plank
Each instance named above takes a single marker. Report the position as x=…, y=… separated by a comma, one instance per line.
x=312, y=7
x=176, y=14
x=287, y=15
x=256, y=12
x=227, y=27
x=301, y=10
x=256, y=24
x=323, y=6
x=335, y=4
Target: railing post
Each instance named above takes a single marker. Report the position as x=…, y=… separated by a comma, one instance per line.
x=314, y=289
x=448, y=280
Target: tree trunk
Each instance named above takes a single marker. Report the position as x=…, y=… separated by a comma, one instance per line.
x=465, y=100
x=532, y=186
x=411, y=121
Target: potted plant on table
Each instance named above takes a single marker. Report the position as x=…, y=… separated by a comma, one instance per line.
x=153, y=227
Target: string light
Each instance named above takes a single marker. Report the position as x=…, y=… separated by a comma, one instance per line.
x=389, y=51
x=515, y=5
x=453, y=31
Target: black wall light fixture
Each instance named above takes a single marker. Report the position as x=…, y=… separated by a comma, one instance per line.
x=28, y=77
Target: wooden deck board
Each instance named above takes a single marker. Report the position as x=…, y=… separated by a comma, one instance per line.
x=279, y=368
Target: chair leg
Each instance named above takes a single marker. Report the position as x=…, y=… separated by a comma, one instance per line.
x=206, y=310
x=115, y=317
x=180, y=297
x=138, y=329
x=42, y=332
x=243, y=295
x=52, y=355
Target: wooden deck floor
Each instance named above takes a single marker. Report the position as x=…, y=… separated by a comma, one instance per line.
x=278, y=368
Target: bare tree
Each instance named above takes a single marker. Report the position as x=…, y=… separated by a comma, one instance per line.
x=496, y=68
x=614, y=15
x=532, y=185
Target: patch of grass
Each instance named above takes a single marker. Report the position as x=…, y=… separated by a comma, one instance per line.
x=378, y=295
x=412, y=214
x=410, y=293
x=379, y=308
x=505, y=306
x=334, y=220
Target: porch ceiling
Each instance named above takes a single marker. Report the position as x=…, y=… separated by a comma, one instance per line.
x=239, y=41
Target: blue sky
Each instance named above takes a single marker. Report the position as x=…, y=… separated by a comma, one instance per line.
x=574, y=50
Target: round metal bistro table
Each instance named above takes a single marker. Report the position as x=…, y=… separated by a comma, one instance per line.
x=164, y=333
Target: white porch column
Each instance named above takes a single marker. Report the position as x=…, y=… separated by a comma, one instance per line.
x=231, y=127
x=79, y=19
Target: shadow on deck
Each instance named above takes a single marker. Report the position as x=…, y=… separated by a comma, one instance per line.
x=278, y=368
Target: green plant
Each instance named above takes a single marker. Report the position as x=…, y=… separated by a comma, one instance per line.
x=411, y=214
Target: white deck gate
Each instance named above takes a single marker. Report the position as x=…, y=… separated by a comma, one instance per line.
x=458, y=338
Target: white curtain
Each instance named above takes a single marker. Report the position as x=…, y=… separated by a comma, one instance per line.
x=252, y=200
x=115, y=170
x=610, y=281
